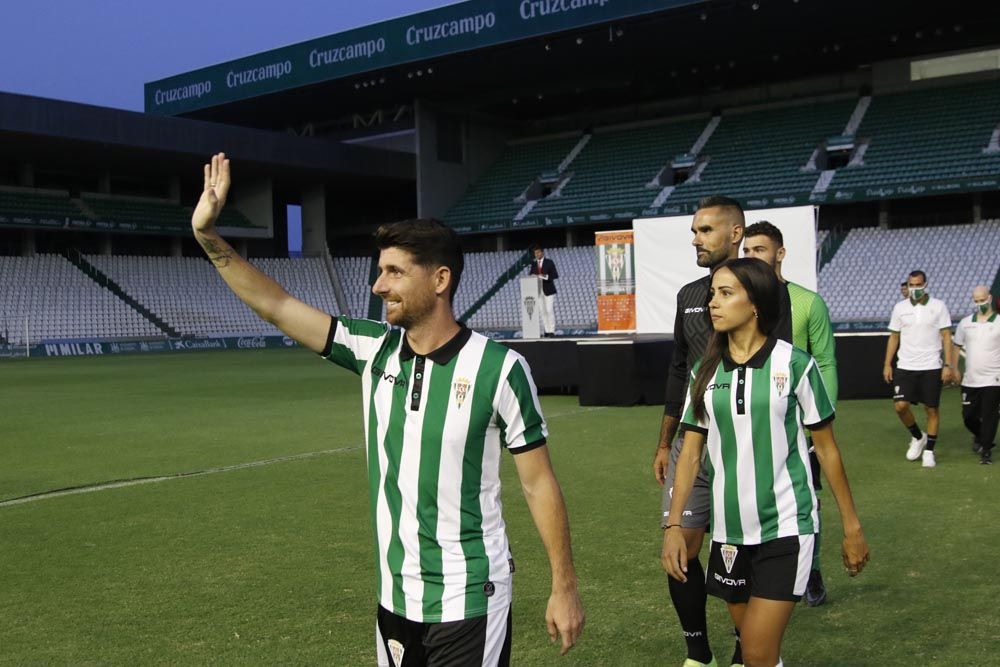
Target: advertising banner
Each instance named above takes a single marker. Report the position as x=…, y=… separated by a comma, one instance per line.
x=615, y=281
x=86, y=347
x=464, y=26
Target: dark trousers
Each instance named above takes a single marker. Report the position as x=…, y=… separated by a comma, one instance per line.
x=981, y=413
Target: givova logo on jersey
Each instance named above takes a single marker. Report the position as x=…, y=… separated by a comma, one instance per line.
x=461, y=386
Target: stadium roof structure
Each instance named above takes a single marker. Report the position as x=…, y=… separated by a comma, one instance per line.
x=68, y=134
x=531, y=59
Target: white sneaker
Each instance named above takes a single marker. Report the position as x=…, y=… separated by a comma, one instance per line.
x=916, y=447
x=929, y=461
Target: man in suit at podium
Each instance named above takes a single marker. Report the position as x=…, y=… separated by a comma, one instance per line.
x=546, y=269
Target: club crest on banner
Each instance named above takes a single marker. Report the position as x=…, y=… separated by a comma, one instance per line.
x=616, y=261
x=461, y=386
x=728, y=552
x=529, y=305
x=396, y=651
x=780, y=380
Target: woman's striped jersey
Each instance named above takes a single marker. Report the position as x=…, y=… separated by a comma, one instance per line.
x=435, y=426
x=758, y=455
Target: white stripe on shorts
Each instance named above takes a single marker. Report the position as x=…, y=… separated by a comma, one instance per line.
x=381, y=657
x=806, y=545
x=496, y=622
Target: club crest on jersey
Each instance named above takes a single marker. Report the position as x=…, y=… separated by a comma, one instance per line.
x=396, y=651
x=780, y=380
x=728, y=552
x=461, y=386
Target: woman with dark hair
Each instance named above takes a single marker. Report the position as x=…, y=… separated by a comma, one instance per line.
x=750, y=400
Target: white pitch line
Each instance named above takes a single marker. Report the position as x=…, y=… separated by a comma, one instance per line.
x=119, y=484
x=573, y=413
x=124, y=483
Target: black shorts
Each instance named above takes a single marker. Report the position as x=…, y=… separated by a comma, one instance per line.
x=917, y=386
x=775, y=570
x=484, y=640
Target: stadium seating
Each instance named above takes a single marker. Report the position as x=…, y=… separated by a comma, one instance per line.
x=162, y=213
x=55, y=300
x=612, y=172
x=188, y=294
x=492, y=197
x=762, y=153
x=861, y=282
x=762, y=156
x=927, y=135
x=354, y=272
x=38, y=204
x=576, y=306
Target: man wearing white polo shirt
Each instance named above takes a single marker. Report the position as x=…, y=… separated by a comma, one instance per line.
x=979, y=335
x=920, y=330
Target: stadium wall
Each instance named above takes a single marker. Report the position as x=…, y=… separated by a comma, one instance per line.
x=314, y=221
x=254, y=200
x=442, y=182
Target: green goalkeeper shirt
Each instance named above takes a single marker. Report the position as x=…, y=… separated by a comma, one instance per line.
x=813, y=332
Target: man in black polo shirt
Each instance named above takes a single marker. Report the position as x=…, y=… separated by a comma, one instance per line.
x=718, y=232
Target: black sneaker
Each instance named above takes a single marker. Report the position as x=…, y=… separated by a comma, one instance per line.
x=986, y=458
x=815, y=590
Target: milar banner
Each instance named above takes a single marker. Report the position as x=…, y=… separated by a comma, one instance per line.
x=615, y=282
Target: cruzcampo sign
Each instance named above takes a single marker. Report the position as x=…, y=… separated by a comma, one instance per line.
x=462, y=27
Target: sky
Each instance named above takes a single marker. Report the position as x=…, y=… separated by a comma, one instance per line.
x=103, y=51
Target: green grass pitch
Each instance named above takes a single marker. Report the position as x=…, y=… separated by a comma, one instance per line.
x=273, y=563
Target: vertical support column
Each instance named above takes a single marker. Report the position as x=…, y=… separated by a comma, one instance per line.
x=314, y=221
x=104, y=183
x=176, y=246
x=570, y=237
x=255, y=200
x=28, y=246
x=883, y=214
x=26, y=175
x=442, y=179
x=977, y=208
x=174, y=188
x=106, y=244
x=503, y=242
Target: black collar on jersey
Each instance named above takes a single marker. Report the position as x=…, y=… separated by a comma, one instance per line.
x=756, y=361
x=443, y=354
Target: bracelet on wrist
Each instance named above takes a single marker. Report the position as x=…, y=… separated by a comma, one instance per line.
x=672, y=525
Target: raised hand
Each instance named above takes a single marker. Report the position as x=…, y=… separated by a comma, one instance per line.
x=213, y=197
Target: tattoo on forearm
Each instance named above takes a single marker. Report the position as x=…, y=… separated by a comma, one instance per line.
x=218, y=255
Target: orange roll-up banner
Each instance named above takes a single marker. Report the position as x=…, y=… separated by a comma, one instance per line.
x=615, y=282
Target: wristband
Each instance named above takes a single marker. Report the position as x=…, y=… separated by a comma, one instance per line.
x=672, y=525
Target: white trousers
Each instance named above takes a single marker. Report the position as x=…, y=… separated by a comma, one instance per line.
x=549, y=313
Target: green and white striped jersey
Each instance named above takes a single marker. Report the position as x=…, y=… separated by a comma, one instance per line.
x=758, y=456
x=435, y=426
